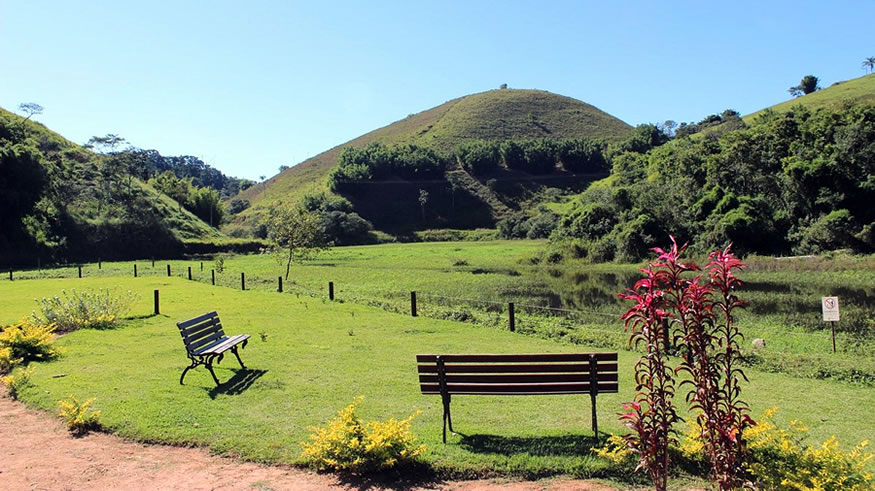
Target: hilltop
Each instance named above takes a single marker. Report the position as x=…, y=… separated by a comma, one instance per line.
x=62, y=201
x=838, y=95
x=493, y=115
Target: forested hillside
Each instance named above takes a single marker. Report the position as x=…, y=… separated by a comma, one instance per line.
x=63, y=202
x=794, y=182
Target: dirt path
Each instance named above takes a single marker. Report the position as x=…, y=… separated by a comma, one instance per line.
x=36, y=452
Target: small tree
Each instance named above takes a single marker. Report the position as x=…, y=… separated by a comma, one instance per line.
x=869, y=64
x=807, y=85
x=295, y=234
x=423, y=200
x=30, y=108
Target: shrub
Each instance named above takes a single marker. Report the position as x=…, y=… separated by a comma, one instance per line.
x=346, y=443
x=25, y=342
x=779, y=461
x=17, y=381
x=78, y=416
x=86, y=309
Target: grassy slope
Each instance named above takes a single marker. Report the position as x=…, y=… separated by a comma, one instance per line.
x=856, y=91
x=181, y=222
x=494, y=114
x=320, y=355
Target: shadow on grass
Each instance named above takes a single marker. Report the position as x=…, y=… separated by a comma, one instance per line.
x=411, y=476
x=237, y=384
x=562, y=445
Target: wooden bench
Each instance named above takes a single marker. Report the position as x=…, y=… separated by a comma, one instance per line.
x=524, y=374
x=205, y=342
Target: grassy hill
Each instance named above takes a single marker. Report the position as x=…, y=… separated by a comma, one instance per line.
x=65, y=203
x=491, y=115
x=850, y=92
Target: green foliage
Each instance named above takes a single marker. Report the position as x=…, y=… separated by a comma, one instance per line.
x=479, y=157
x=295, y=234
x=377, y=161
x=340, y=224
x=238, y=205
x=17, y=381
x=25, y=342
x=346, y=443
x=796, y=183
x=521, y=225
x=204, y=202
x=83, y=309
x=582, y=155
x=78, y=415
x=808, y=85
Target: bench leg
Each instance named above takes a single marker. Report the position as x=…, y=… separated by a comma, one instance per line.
x=447, y=420
x=209, y=365
x=449, y=414
x=234, y=350
x=595, y=419
x=186, y=371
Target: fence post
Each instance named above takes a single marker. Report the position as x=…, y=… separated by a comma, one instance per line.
x=330, y=290
x=833, y=324
x=10, y=275
x=413, y=304
x=213, y=274
x=242, y=280
x=511, y=318
x=80, y=271
x=168, y=270
x=202, y=265
x=279, y=284
x=189, y=273
x=99, y=263
x=157, y=310
x=135, y=271
x=153, y=262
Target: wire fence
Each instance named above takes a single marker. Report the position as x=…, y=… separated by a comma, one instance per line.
x=579, y=326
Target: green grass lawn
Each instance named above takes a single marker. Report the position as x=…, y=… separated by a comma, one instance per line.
x=320, y=355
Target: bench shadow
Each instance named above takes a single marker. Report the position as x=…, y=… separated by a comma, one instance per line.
x=560, y=445
x=238, y=383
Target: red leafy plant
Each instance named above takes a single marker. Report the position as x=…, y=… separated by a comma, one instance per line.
x=696, y=314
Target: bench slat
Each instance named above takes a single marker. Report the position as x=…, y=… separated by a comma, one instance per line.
x=223, y=345
x=204, y=333
x=196, y=320
x=207, y=341
x=517, y=358
x=200, y=327
x=519, y=378
x=520, y=368
x=519, y=389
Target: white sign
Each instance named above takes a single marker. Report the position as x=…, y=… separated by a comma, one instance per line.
x=830, y=308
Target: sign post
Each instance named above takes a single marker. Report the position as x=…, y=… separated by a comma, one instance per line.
x=830, y=306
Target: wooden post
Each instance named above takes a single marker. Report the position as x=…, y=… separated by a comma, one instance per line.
x=213, y=275
x=413, y=304
x=202, y=265
x=157, y=310
x=153, y=262
x=10, y=275
x=99, y=264
x=330, y=290
x=135, y=270
x=279, y=284
x=80, y=271
x=593, y=392
x=510, y=317
x=189, y=273
x=242, y=280
x=168, y=270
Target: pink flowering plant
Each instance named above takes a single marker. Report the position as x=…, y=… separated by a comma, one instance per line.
x=675, y=305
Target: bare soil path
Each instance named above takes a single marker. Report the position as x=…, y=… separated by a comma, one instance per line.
x=37, y=452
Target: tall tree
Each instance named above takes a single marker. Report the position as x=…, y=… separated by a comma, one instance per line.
x=30, y=108
x=295, y=234
x=869, y=64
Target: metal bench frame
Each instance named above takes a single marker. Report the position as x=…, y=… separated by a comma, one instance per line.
x=205, y=342
x=517, y=374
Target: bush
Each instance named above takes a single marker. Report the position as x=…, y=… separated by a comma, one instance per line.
x=25, y=342
x=17, y=381
x=86, y=309
x=479, y=157
x=779, y=461
x=346, y=443
x=77, y=416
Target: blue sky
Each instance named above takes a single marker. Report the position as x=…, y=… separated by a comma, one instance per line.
x=249, y=86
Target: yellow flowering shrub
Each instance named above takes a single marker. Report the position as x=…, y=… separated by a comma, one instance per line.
x=616, y=451
x=25, y=342
x=78, y=416
x=778, y=459
x=17, y=381
x=346, y=443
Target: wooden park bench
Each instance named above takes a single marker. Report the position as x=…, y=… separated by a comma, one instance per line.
x=205, y=342
x=518, y=375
